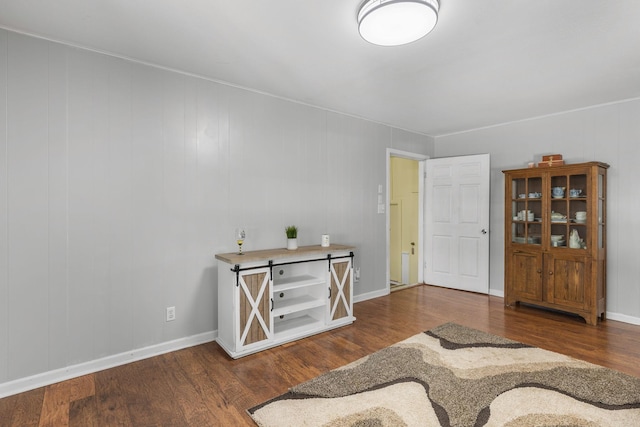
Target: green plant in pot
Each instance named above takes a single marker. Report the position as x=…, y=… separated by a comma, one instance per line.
x=292, y=237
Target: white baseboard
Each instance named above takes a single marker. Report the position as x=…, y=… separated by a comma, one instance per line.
x=496, y=293
x=623, y=318
x=51, y=377
x=370, y=295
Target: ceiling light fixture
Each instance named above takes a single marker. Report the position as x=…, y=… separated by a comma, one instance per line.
x=397, y=22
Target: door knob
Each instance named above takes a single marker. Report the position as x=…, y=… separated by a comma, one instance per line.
x=483, y=231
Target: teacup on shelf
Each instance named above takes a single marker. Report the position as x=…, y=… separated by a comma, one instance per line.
x=575, y=192
x=557, y=192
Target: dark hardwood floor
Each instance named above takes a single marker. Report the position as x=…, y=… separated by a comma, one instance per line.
x=202, y=386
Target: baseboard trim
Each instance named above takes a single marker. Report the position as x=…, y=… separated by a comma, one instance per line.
x=51, y=377
x=370, y=295
x=623, y=318
x=496, y=293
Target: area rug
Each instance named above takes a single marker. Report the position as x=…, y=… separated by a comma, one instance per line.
x=457, y=376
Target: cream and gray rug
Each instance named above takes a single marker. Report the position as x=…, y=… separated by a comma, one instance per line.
x=456, y=376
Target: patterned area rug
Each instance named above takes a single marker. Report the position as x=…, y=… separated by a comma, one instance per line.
x=456, y=376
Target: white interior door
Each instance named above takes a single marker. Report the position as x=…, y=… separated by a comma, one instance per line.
x=457, y=222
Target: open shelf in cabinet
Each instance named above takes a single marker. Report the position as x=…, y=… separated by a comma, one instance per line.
x=287, y=305
x=299, y=287
x=300, y=321
x=294, y=282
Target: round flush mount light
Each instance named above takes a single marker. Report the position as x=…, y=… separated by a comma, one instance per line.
x=397, y=22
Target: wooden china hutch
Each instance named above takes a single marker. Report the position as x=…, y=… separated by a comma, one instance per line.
x=555, y=238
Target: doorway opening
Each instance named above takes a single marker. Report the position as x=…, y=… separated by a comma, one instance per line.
x=405, y=189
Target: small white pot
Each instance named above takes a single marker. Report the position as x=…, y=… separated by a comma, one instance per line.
x=292, y=244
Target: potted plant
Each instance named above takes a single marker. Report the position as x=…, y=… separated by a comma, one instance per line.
x=292, y=237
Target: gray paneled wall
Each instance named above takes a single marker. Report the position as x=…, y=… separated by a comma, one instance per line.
x=120, y=181
x=4, y=232
x=608, y=133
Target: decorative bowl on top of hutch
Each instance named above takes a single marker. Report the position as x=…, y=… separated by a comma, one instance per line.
x=555, y=238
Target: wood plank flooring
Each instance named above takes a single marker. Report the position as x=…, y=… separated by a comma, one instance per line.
x=202, y=386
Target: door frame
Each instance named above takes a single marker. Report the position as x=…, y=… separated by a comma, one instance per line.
x=421, y=158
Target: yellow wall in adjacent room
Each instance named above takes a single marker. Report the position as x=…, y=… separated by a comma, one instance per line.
x=404, y=217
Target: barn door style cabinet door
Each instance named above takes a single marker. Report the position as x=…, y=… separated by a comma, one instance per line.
x=340, y=294
x=267, y=298
x=555, y=238
x=254, y=318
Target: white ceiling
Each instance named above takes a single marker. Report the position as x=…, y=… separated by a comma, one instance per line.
x=487, y=61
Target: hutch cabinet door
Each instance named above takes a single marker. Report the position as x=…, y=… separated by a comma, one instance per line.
x=254, y=289
x=567, y=281
x=340, y=290
x=524, y=279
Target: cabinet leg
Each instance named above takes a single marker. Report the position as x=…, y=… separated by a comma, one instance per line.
x=592, y=320
x=510, y=302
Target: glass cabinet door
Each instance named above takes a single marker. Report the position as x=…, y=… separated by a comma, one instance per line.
x=526, y=210
x=569, y=210
x=601, y=214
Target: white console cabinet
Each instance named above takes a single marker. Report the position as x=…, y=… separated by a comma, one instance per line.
x=270, y=297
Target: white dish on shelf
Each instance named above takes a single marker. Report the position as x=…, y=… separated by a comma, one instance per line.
x=557, y=237
x=559, y=221
x=559, y=243
x=580, y=221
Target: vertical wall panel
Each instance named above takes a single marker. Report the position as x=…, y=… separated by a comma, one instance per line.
x=251, y=136
x=27, y=205
x=309, y=138
x=84, y=244
x=101, y=208
x=58, y=340
x=147, y=183
x=211, y=208
x=197, y=293
x=624, y=209
x=120, y=232
x=174, y=195
x=4, y=245
x=372, y=251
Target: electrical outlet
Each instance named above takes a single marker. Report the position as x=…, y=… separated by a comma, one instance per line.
x=171, y=314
